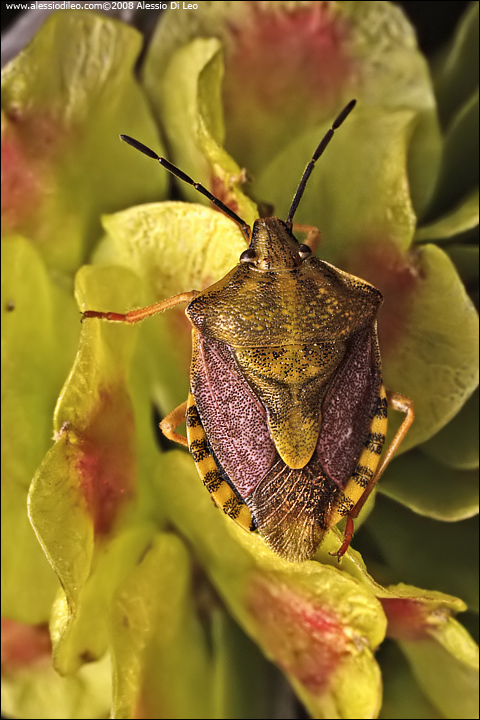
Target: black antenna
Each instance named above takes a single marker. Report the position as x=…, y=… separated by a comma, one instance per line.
x=186, y=178
x=321, y=147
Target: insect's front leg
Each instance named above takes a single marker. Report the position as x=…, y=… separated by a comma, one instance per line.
x=175, y=418
x=141, y=313
x=314, y=236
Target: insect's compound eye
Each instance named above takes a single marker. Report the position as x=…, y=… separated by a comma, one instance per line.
x=304, y=251
x=247, y=255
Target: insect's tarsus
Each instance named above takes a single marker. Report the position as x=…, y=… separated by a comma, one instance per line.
x=186, y=178
x=321, y=147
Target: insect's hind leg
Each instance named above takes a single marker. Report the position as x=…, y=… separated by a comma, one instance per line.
x=401, y=404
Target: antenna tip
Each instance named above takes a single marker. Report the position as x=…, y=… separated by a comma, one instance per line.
x=346, y=111
x=139, y=146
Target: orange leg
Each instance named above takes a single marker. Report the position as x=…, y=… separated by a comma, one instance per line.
x=170, y=423
x=177, y=416
x=313, y=238
x=141, y=313
x=402, y=404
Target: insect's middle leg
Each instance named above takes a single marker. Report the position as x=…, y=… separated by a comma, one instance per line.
x=171, y=422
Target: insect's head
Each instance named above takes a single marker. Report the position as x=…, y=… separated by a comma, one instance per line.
x=272, y=244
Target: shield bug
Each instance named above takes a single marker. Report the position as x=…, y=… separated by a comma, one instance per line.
x=287, y=412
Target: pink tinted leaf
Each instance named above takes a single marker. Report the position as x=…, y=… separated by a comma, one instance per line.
x=66, y=98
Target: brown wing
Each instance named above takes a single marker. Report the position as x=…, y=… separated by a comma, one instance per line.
x=292, y=508
x=349, y=407
x=234, y=420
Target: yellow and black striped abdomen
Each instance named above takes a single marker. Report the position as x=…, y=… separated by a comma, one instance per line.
x=207, y=468
x=367, y=463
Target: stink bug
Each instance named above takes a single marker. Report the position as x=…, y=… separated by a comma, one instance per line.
x=287, y=413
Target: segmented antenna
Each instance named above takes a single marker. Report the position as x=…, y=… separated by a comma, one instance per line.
x=186, y=178
x=321, y=147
